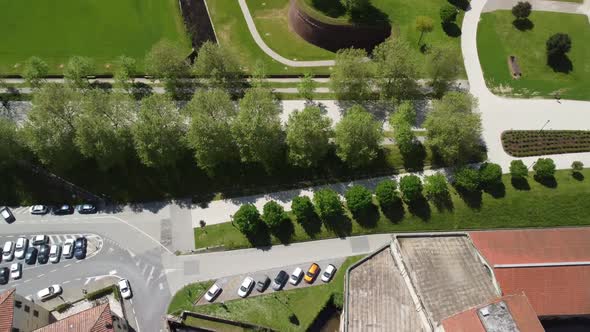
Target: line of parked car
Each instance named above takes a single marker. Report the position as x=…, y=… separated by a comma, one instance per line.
x=278, y=283
x=63, y=209
x=23, y=249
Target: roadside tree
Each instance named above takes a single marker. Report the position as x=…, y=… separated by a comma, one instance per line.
x=401, y=122
x=396, y=70
x=544, y=168
x=167, y=61
x=327, y=204
x=436, y=187
x=577, y=166
x=306, y=86
x=9, y=143
x=358, y=199
x=411, y=188
x=247, y=219
x=518, y=169
x=448, y=13
x=308, y=134
x=386, y=193
x=443, y=67
x=357, y=137
x=34, y=72
x=303, y=209
x=467, y=179
x=274, y=215
x=218, y=65
x=490, y=174
x=126, y=69
x=77, y=71
x=351, y=75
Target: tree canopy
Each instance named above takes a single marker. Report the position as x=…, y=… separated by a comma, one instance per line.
x=357, y=137
x=518, y=169
x=558, y=44
x=435, y=186
x=274, y=215
x=77, y=71
x=386, y=193
x=522, y=10
x=396, y=70
x=351, y=75
x=467, y=179
x=328, y=204
x=126, y=69
x=358, y=199
x=443, y=67
x=34, y=71
x=411, y=188
x=401, y=122
x=308, y=134
x=544, y=168
x=167, y=62
x=247, y=219
x=218, y=65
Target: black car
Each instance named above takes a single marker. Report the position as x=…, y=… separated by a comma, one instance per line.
x=86, y=208
x=7, y=215
x=43, y=255
x=31, y=255
x=262, y=285
x=63, y=209
x=4, y=272
x=280, y=280
x=80, y=248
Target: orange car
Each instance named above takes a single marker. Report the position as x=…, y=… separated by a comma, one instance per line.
x=312, y=273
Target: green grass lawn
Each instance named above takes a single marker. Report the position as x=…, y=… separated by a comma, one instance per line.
x=100, y=29
x=183, y=299
x=567, y=204
x=498, y=38
x=275, y=310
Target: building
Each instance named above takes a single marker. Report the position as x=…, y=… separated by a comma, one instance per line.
x=470, y=282
x=18, y=314
x=95, y=319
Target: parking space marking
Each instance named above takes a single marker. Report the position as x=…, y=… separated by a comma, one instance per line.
x=151, y=276
x=66, y=282
x=113, y=272
x=53, y=271
x=41, y=275
x=68, y=265
x=24, y=282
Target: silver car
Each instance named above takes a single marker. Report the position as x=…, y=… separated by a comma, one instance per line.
x=8, y=251
x=55, y=253
x=21, y=247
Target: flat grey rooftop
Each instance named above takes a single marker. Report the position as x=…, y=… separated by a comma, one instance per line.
x=447, y=274
x=497, y=318
x=379, y=300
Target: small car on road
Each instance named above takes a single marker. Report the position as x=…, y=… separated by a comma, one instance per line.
x=246, y=287
x=16, y=271
x=43, y=255
x=68, y=249
x=63, y=209
x=296, y=276
x=8, y=251
x=328, y=273
x=212, y=293
x=39, y=240
x=125, y=288
x=311, y=273
x=21, y=247
x=49, y=292
x=55, y=253
x=80, y=248
x=39, y=209
x=31, y=256
x=280, y=280
x=86, y=209
x=4, y=275
x=263, y=284
x=7, y=215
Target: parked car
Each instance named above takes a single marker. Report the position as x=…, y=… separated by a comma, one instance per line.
x=311, y=273
x=263, y=284
x=63, y=209
x=86, y=209
x=16, y=271
x=328, y=273
x=39, y=240
x=246, y=287
x=80, y=248
x=296, y=276
x=280, y=280
x=8, y=251
x=43, y=255
x=7, y=215
x=4, y=275
x=212, y=293
x=39, y=209
x=55, y=253
x=68, y=249
x=31, y=256
x=125, y=288
x=49, y=292
x=21, y=247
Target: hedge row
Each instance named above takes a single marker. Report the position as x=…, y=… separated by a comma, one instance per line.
x=524, y=143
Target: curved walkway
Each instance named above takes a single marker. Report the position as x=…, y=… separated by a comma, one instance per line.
x=269, y=51
x=539, y=5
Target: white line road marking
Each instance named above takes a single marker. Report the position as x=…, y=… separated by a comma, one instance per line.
x=66, y=282
x=143, y=270
x=139, y=230
x=113, y=272
x=151, y=276
x=67, y=265
x=78, y=279
x=40, y=276
x=77, y=262
x=137, y=263
x=136, y=322
x=87, y=281
x=53, y=271
x=161, y=286
x=131, y=253
x=161, y=275
x=11, y=236
x=24, y=282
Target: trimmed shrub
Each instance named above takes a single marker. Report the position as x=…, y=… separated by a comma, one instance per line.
x=303, y=209
x=327, y=203
x=247, y=219
x=544, y=168
x=577, y=166
x=411, y=188
x=558, y=44
x=467, y=179
x=522, y=10
x=448, y=13
x=358, y=199
x=518, y=169
x=435, y=186
x=386, y=193
x=273, y=214
x=490, y=174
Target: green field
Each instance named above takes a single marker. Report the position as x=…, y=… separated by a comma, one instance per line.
x=497, y=39
x=531, y=205
x=99, y=29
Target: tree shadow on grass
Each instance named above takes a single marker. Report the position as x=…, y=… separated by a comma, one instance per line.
x=497, y=190
x=473, y=199
x=284, y=231
x=414, y=159
x=394, y=212
x=331, y=8
x=420, y=208
x=548, y=182
x=451, y=29
x=578, y=176
x=520, y=184
x=339, y=224
x=293, y=319
x=523, y=24
x=312, y=225
x=443, y=203
x=260, y=238
x=461, y=4
x=560, y=63
x=368, y=218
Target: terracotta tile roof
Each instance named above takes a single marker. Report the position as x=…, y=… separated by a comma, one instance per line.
x=6, y=310
x=533, y=246
x=562, y=290
x=97, y=319
x=522, y=313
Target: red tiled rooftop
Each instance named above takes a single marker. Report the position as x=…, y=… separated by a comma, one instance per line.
x=534, y=246
x=6, y=310
x=96, y=319
x=562, y=290
x=522, y=313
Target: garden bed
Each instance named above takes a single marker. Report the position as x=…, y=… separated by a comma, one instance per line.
x=524, y=143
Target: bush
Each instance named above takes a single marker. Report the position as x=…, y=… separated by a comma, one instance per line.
x=435, y=186
x=558, y=44
x=490, y=174
x=386, y=193
x=303, y=209
x=467, y=179
x=337, y=299
x=358, y=199
x=544, y=168
x=577, y=166
x=273, y=214
x=62, y=307
x=327, y=204
x=522, y=10
x=247, y=219
x=518, y=169
x=99, y=293
x=411, y=188
x=448, y=13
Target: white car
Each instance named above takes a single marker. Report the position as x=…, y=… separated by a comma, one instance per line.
x=55, y=253
x=49, y=292
x=8, y=251
x=212, y=293
x=39, y=209
x=68, y=249
x=328, y=273
x=246, y=287
x=125, y=288
x=296, y=276
x=21, y=247
x=38, y=240
x=16, y=271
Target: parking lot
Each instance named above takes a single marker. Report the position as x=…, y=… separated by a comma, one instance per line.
x=230, y=285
